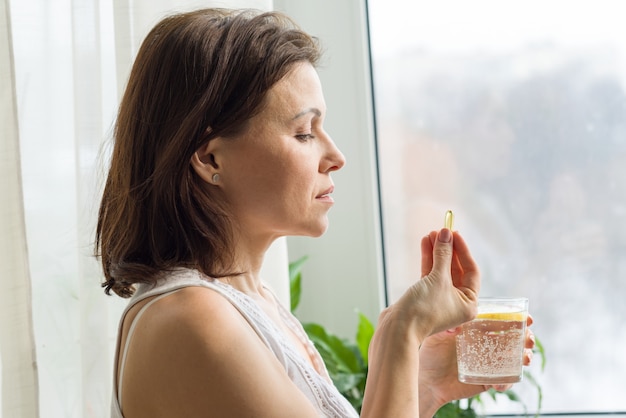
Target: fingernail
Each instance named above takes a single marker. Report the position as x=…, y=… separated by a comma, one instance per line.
x=445, y=235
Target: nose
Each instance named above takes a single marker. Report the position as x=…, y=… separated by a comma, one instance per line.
x=333, y=159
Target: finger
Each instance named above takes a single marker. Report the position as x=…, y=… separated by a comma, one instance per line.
x=466, y=260
x=442, y=253
x=471, y=273
x=529, y=320
x=427, y=255
x=527, y=356
x=433, y=237
x=457, y=271
x=453, y=331
x=530, y=339
x=501, y=388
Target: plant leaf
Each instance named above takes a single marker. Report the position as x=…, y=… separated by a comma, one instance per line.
x=344, y=382
x=454, y=410
x=295, y=280
x=512, y=396
x=531, y=379
x=449, y=410
x=364, y=335
x=542, y=352
x=343, y=355
x=317, y=334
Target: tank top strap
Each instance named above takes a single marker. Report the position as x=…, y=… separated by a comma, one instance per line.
x=131, y=330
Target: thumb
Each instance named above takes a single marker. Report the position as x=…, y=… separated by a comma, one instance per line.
x=442, y=253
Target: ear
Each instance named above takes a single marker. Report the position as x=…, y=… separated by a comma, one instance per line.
x=205, y=162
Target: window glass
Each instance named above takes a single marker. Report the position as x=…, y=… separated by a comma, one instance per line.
x=513, y=115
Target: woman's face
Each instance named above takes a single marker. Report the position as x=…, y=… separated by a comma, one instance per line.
x=276, y=175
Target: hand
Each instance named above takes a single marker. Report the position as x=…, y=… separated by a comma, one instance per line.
x=447, y=294
x=438, y=380
x=445, y=297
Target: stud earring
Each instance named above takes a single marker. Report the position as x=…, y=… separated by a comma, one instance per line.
x=215, y=178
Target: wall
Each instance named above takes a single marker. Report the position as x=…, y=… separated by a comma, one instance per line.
x=345, y=267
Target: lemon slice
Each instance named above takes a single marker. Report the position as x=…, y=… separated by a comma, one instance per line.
x=502, y=316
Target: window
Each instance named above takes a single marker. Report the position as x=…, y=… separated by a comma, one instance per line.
x=513, y=115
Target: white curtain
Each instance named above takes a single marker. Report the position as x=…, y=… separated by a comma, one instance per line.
x=19, y=380
x=63, y=65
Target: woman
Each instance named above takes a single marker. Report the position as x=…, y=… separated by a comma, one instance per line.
x=219, y=150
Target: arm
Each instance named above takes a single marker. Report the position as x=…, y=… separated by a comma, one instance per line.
x=446, y=296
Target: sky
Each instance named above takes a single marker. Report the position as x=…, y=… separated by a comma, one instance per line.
x=457, y=25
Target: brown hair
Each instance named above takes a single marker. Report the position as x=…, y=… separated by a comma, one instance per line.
x=197, y=76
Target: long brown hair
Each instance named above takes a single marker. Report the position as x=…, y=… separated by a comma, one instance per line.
x=197, y=76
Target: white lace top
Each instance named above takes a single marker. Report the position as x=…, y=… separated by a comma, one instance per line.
x=317, y=387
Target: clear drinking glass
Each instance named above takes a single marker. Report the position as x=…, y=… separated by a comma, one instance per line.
x=489, y=348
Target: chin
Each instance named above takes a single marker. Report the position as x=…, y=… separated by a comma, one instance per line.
x=318, y=234
x=315, y=230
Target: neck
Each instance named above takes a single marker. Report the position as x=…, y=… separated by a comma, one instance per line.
x=249, y=256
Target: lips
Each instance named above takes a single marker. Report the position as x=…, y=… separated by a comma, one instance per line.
x=326, y=193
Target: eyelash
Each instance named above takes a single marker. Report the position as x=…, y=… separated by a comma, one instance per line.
x=304, y=137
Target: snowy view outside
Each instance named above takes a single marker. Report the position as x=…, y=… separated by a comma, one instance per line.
x=513, y=115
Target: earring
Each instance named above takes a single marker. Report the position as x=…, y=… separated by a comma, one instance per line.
x=215, y=178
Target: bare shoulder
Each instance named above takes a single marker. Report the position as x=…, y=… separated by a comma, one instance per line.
x=194, y=310
x=194, y=355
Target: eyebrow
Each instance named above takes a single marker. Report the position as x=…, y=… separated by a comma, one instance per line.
x=313, y=110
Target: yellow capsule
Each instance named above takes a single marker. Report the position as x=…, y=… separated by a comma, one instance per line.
x=449, y=221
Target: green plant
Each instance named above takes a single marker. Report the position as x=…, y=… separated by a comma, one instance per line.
x=347, y=361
